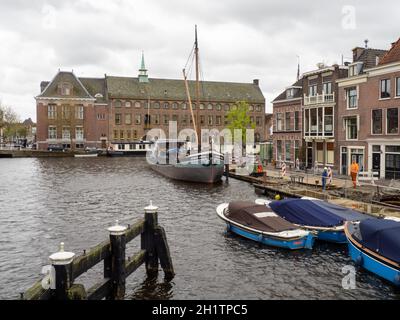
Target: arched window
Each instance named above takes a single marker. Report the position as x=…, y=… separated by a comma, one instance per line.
x=166, y=105
x=174, y=105
x=209, y=106
x=226, y=107
x=218, y=107
x=251, y=107
x=128, y=104
x=137, y=104
x=118, y=104
x=201, y=106
x=156, y=105
x=184, y=106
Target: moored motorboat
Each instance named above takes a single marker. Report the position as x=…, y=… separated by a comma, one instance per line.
x=257, y=223
x=325, y=218
x=374, y=244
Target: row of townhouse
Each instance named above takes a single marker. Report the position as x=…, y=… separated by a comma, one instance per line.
x=340, y=113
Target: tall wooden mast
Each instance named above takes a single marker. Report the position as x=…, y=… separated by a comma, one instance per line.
x=196, y=52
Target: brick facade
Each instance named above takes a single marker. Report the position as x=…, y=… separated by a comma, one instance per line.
x=369, y=129
x=117, y=109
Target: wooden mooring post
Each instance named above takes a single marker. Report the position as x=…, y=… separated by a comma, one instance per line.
x=66, y=266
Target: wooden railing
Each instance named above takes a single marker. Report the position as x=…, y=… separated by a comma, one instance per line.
x=59, y=284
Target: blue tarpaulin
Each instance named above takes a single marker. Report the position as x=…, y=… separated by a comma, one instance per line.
x=314, y=213
x=381, y=236
x=343, y=212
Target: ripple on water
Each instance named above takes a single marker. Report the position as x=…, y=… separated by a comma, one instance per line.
x=46, y=201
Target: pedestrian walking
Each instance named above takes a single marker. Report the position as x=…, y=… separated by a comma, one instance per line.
x=324, y=178
x=354, y=172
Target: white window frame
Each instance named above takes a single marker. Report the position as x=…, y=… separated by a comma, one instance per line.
x=387, y=122
x=54, y=131
x=382, y=122
x=346, y=127
x=380, y=89
x=79, y=137
x=79, y=114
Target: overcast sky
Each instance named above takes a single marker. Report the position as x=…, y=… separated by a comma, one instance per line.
x=239, y=40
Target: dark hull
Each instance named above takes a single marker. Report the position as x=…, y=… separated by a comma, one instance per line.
x=191, y=173
x=126, y=153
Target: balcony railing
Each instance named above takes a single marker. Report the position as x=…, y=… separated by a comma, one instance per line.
x=319, y=99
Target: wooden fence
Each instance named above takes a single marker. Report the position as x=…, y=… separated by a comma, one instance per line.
x=66, y=267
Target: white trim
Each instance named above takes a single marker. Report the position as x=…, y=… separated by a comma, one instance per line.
x=352, y=80
x=379, y=70
x=287, y=100
x=43, y=99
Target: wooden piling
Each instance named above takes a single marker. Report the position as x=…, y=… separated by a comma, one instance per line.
x=118, y=246
x=147, y=240
x=62, y=263
x=163, y=253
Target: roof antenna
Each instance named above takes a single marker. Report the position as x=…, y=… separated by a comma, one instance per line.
x=366, y=43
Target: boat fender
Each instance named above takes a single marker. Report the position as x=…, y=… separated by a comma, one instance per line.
x=359, y=261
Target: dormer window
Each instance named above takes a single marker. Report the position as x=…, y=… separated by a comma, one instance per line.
x=65, y=89
x=290, y=93
x=355, y=69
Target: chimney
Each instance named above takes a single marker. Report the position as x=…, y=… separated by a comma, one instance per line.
x=256, y=82
x=357, y=53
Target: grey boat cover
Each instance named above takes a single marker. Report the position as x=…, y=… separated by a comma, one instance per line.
x=243, y=212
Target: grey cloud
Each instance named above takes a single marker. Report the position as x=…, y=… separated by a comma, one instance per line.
x=239, y=40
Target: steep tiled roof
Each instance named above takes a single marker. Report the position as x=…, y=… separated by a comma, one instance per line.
x=124, y=87
x=79, y=91
x=393, y=55
x=368, y=57
x=131, y=88
x=298, y=94
x=95, y=87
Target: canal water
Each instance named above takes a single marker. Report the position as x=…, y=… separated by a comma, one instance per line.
x=46, y=201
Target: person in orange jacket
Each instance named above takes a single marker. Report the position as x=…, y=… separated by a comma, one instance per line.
x=354, y=172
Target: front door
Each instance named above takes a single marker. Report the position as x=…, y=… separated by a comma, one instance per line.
x=376, y=163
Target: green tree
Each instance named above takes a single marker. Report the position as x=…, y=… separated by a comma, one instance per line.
x=239, y=118
x=9, y=122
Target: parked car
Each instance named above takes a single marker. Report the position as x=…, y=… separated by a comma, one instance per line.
x=55, y=147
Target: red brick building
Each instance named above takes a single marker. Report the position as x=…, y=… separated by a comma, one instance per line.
x=80, y=112
x=320, y=114
x=287, y=124
x=369, y=107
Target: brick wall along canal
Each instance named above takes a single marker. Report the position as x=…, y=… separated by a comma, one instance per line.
x=46, y=201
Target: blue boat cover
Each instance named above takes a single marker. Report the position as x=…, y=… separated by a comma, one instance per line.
x=313, y=213
x=381, y=236
x=343, y=212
